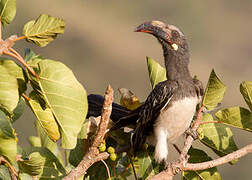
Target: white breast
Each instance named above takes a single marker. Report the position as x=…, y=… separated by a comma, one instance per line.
x=177, y=118
x=171, y=124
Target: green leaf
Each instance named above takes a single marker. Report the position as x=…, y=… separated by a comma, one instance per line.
x=214, y=93
x=24, y=176
x=4, y=173
x=9, y=96
x=39, y=161
x=197, y=156
x=18, y=111
x=143, y=165
x=217, y=136
x=66, y=98
x=34, y=141
x=44, y=116
x=8, y=144
x=16, y=71
x=43, y=30
x=7, y=11
x=238, y=117
x=78, y=152
x=246, y=91
x=47, y=142
x=156, y=72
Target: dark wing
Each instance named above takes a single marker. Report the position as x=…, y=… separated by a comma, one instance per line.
x=158, y=99
x=95, y=103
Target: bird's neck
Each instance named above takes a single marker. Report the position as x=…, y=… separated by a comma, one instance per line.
x=176, y=64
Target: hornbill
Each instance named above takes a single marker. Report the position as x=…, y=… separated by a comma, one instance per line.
x=169, y=109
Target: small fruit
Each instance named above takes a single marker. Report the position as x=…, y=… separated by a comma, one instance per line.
x=111, y=150
x=113, y=156
x=102, y=147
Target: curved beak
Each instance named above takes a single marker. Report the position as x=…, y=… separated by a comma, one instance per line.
x=155, y=28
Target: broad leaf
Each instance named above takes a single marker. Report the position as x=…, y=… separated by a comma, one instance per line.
x=78, y=152
x=143, y=165
x=45, y=141
x=217, y=136
x=24, y=176
x=65, y=97
x=8, y=143
x=238, y=117
x=42, y=163
x=16, y=71
x=44, y=29
x=246, y=90
x=44, y=116
x=214, y=93
x=7, y=11
x=4, y=173
x=8, y=90
x=128, y=99
x=197, y=156
x=156, y=72
x=18, y=111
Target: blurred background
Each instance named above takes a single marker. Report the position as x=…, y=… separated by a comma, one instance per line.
x=100, y=47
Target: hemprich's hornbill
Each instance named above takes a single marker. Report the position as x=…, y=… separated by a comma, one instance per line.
x=168, y=110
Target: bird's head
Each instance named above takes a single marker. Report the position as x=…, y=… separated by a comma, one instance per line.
x=171, y=38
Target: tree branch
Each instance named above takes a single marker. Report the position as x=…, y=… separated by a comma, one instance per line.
x=93, y=154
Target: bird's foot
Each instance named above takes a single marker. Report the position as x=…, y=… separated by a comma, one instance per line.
x=174, y=166
x=190, y=132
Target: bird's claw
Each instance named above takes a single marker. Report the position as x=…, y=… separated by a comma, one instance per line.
x=174, y=166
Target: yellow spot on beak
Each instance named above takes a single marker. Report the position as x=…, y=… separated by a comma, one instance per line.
x=174, y=46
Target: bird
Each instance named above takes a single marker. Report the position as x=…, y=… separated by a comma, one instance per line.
x=168, y=110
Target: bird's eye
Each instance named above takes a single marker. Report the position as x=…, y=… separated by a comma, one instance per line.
x=175, y=34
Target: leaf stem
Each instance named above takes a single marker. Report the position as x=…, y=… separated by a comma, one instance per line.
x=20, y=38
x=26, y=97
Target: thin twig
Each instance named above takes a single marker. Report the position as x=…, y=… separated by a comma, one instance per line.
x=93, y=155
x=132, y=165
x=222, y=160
x=12, y=170
x=13, y=53
x=22, y=61
x=108, y=171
